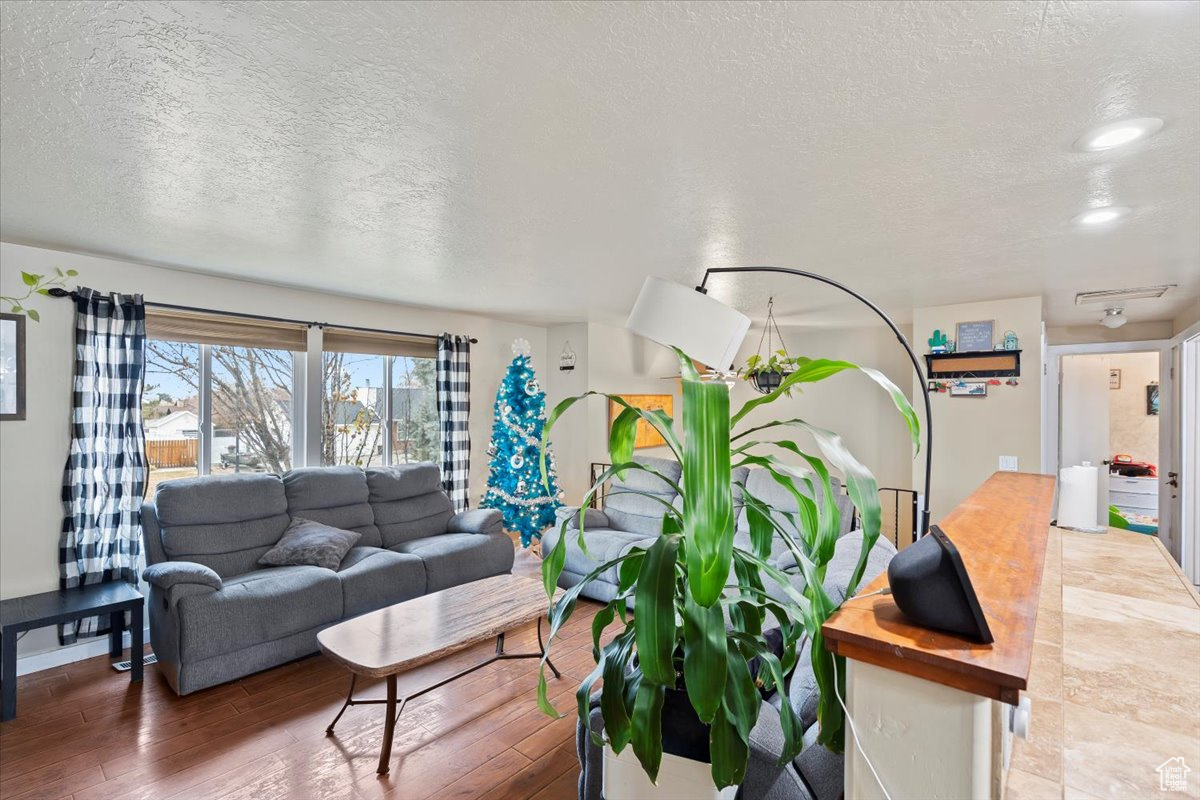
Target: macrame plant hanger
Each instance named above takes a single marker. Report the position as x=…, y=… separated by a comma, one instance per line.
x=767, y=382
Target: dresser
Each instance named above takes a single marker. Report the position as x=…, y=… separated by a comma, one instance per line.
x=1134, y=495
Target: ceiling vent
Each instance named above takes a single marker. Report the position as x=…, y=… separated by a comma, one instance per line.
x=1112, y=296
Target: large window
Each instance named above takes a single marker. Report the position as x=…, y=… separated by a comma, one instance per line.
x=378, y=409
x=219, y=394
x=352, y=415
x=226, y=394
x=171, y=411
x=251, y=409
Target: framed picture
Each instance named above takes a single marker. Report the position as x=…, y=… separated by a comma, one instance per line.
x=969, y=390
x=12, y=366
x=974, y=337
x=646, y=435
x=1152, y=400
x=1114, y=378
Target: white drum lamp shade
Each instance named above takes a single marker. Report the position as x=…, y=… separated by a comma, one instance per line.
x=703, y=328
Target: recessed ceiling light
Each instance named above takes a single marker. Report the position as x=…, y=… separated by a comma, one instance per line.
x=1101, y=216
x=1116, y=134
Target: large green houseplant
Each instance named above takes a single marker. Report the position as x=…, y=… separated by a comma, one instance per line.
x=692, y=580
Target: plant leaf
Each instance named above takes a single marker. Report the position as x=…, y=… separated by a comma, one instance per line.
x=647, y=726
x=708, y=502
x=742, y=700
x=612, y=696
x=33, y=315
x=729, y=752
x=30, y=279
x=704, y=656
x=817, y=369
x=622, y=436
x=654, y=611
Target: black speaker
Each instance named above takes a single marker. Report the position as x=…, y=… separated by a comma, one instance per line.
x=931, y=587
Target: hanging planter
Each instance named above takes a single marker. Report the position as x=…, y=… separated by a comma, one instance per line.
x=767, y=370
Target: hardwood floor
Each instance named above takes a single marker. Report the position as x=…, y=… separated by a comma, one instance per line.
x=84, y=732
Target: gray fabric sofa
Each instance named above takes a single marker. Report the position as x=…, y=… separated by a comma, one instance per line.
x=631, y=520
x=216, y=615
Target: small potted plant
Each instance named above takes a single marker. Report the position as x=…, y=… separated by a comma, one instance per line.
x=768, y=374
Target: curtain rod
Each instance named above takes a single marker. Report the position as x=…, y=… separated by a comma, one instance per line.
x=56, y=292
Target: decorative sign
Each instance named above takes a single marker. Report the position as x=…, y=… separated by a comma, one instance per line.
x=974, y=337
x=968, y=390
x=1114, y=378
x=646, y=435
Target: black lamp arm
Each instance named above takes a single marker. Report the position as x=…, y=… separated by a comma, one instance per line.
x=923, y=523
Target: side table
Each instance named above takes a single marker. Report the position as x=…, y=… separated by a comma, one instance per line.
x=19, y=614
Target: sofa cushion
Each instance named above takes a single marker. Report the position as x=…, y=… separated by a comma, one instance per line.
x=256, y=607
x=455, y=558
x=308, y=543
x=373, y=578
x=603, y=544
x=225, y=522
x=625, y=503
x=335, y=496
x=408, y=502
x=761, y=485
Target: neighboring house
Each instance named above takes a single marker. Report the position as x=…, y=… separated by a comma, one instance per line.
x=174, y=425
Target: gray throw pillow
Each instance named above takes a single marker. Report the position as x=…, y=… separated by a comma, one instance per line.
x=308, y=543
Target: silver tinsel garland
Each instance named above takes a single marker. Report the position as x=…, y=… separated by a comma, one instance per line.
x=521, y=501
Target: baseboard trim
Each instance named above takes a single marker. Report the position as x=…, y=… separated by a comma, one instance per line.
x=69, y=654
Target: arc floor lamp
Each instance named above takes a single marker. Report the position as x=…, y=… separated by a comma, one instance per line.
x=712, y=332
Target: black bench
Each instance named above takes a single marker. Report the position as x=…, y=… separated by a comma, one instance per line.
x=50, y=608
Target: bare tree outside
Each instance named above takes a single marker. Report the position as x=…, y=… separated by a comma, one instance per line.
x=351, y=419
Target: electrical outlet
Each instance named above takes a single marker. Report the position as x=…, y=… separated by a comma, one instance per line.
x=1008, y=463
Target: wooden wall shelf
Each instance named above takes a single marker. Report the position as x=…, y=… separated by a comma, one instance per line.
x=982, y=364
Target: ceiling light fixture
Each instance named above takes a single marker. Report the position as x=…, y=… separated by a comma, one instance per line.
x=1101, y=216
x=1116, y=134
x=1098, y=296
x=1114, y=317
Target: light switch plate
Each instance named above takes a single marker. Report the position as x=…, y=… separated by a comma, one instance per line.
x=1008, y=463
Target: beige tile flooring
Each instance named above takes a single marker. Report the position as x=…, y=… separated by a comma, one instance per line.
x=1115, y=678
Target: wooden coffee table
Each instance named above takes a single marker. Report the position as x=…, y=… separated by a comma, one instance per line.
x=384, y=643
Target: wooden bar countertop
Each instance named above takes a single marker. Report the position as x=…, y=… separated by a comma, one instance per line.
x=1000, y=532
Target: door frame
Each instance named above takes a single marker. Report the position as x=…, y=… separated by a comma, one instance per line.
x=1186, y=343
x=1051, y=410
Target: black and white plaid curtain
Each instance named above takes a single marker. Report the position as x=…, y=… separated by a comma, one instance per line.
x=454, y=408
x=105, y=475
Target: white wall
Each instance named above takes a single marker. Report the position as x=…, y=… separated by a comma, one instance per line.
x=849, y=403
x=32, y=452
x=1131, y=429
x=969, y=433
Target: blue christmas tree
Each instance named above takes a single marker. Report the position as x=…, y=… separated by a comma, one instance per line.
x=515, y=485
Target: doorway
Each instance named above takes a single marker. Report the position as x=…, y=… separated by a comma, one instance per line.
x=1109, y=405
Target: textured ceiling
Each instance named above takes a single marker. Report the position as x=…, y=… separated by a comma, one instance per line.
x=534, y=161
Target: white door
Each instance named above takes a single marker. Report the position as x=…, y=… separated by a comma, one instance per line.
x=1186, y=500
x=1083, y=420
